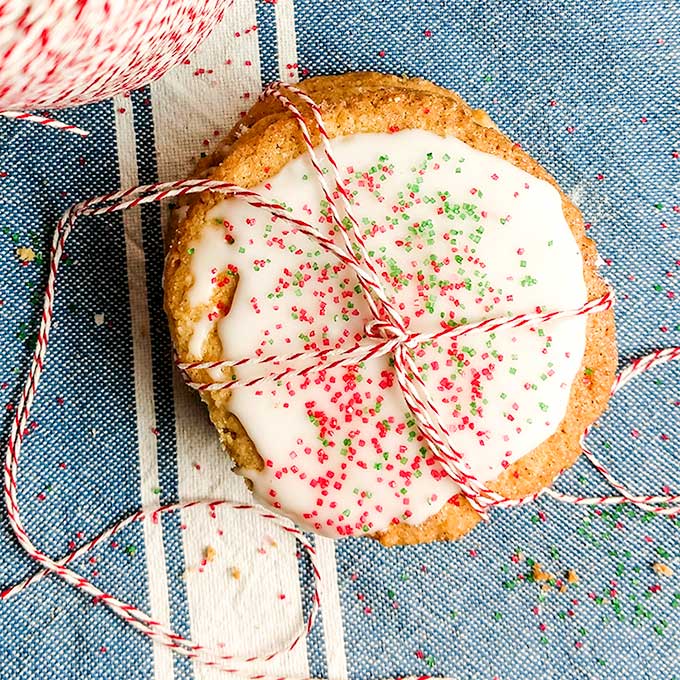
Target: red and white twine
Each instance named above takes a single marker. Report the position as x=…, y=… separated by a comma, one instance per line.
x=385, y=334
x=58, y=53
x=45, y=121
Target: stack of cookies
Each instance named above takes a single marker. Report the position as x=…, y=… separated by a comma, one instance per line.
x=461, y=225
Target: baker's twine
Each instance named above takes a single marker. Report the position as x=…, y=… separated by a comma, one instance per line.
x=58, y=53
x=385, y=334
x=45, y=121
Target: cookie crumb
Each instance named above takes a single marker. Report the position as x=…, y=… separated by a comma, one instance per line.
x=26, y=254
x=572, y=577
x=209, y=553
x=98, y=319
x=662, y=569
x=539, y=574
x=235, y=573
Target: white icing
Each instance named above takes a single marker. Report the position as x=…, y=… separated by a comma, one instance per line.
x=527, y=258
x=201, y=331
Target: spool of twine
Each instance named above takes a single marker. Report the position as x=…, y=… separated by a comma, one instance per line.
x=60, y=53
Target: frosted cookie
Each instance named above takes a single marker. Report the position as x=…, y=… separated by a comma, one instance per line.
x=328, y=89
x=463, y=226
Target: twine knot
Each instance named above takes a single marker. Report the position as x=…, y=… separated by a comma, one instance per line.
x=379, y=329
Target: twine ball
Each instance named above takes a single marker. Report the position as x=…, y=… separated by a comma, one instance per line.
x=59, y=53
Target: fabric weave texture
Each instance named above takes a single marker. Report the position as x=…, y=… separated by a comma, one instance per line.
x=591, y=91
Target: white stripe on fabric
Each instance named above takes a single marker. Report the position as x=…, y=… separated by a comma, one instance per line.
x=146, y=417
x=330, y=596
x=331, y=611
x=248, y=614
x=286, y=42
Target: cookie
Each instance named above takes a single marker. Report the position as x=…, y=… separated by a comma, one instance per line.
x=463, y=225
x=326, y=88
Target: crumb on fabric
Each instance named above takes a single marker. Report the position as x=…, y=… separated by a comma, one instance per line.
x=26, y=254
x=539, y=574
x=235, y=573
x=662, y=569
x=209, y=553
x=187, y=571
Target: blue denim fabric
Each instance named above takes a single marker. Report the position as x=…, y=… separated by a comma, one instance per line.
x=591, y=91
